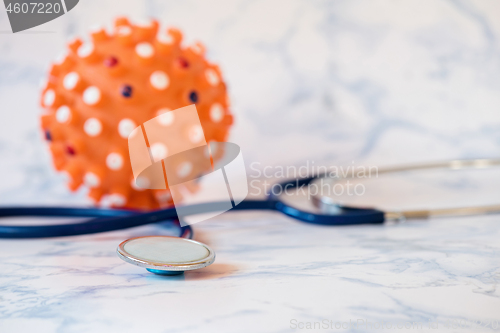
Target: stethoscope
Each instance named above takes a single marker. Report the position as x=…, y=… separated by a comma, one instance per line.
x=168, y=255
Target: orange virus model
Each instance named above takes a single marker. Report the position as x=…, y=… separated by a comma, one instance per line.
x=104, y=88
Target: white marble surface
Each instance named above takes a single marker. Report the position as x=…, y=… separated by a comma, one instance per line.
x=268, y=271
x=374, y=82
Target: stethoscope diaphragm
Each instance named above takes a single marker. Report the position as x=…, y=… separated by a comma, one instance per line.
x=166, y=255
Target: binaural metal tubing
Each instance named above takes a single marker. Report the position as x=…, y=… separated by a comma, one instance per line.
x=328, y=204
x=451, y=164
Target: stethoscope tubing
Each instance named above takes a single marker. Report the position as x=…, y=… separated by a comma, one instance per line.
x=111, y=220
x=104, y=220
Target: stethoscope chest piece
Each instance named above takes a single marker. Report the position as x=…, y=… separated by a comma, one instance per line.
x=166, y=255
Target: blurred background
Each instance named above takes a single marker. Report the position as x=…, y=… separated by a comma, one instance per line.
x=334, y=82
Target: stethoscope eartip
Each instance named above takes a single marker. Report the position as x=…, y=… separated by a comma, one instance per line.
x=166, y=255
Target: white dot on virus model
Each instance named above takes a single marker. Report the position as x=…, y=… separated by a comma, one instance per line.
x=113, y=200
x=212, y=149
x=196, y=49
x=196, y=134
x=91, y=179
x=140, y=184
x=85, y=50
x=159, y=80
x=92, y=127
x=184, y=169
x=116, y=199
x=61, y=57
x=144, y=23
x=123, y=30
x=144, y=50
x=125, y=127
x=91, y=95
x=163, y=196
x=96, y=28
x=71, y=80
x=63, y=114
x=159, y=151
x=134, y=132
x=165, y=117
x=43, y=83
x=212, y=77
x=49, y=97
x=165, y=39
x=214, y=146
x=216, y=113
x=114, y=161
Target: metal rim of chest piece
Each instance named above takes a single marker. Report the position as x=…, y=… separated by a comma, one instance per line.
x=163, y=267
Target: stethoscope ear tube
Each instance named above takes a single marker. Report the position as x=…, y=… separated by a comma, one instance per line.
x=328, y=204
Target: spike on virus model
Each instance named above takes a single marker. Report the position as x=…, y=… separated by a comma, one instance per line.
x=104, y=88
